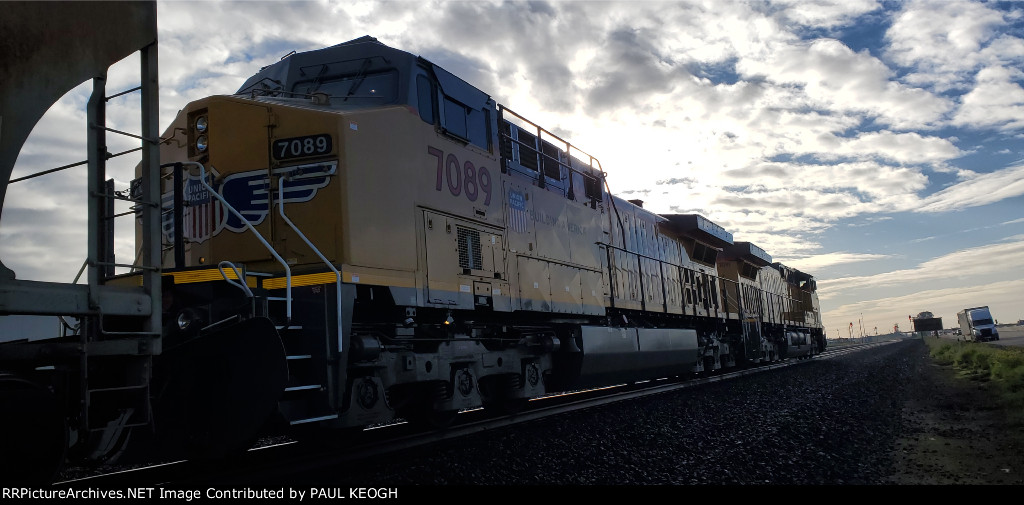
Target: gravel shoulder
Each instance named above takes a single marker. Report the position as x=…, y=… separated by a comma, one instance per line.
x=956, y=432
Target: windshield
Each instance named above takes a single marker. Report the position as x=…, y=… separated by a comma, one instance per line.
x=354, y=90
x=982, y=321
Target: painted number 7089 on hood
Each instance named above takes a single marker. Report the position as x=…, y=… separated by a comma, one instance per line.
x=462, y=179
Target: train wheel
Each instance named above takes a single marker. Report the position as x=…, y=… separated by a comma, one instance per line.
x=33, y=432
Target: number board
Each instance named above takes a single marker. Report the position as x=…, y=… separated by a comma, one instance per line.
x=300, y=147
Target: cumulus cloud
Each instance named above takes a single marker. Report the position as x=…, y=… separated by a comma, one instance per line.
x=940, y=36
x=825, y=13
x=997, y=100
x=836, y=78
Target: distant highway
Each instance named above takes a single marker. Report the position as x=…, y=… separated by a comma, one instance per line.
x=1009, y=336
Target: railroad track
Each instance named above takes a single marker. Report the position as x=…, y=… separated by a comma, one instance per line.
x=276, y=460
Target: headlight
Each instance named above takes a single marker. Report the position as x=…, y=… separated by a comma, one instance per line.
x=189, y=320
x=201, y=124
x=201, y=143
x=184, y=320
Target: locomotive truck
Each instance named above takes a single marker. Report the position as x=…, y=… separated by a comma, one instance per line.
x=358, y=236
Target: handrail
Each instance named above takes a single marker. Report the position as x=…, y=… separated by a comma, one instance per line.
x=224, y=202
x=337, y=274
x=552, y=135
x=241, y=279
x=541, y=156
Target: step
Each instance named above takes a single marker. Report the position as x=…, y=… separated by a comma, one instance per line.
x=307, y=408
x=303, y=388
x=313, y=419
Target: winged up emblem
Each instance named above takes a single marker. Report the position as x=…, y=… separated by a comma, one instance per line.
x=247, y=192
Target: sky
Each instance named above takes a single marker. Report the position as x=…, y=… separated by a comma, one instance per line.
x=876, y=145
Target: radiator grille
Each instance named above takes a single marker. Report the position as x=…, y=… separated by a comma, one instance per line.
x=469, y=249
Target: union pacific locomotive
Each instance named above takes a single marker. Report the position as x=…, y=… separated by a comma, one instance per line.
x=417, y=249
x=357, y=236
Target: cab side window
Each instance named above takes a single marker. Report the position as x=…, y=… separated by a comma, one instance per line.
x=425, y=98
x=466, y=123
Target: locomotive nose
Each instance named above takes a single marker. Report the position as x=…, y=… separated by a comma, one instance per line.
x=33, y=434
x=215, y=393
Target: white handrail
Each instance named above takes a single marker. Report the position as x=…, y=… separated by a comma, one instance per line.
x=241, y=284
x=337, y=274
x=287, y=269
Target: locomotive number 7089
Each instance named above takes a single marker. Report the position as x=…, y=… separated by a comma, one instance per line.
x=300, y=147
x=462, y=179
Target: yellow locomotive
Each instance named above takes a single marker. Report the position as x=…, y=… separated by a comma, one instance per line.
x=421, y=249
x=355, y=236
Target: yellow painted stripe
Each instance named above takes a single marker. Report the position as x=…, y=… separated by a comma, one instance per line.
x=300, y=280
x=351, y=277
x=208, y=275
x=186, y=277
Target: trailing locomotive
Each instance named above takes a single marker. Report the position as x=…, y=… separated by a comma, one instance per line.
x=357, y=235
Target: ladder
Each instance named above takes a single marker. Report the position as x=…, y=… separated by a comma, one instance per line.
x=306, y=397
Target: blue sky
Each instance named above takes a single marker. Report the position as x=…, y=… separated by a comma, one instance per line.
x=876, y=145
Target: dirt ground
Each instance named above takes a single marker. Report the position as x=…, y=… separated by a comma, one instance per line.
x=957, y=433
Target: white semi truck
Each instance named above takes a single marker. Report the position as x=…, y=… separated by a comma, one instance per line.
x=977, y=324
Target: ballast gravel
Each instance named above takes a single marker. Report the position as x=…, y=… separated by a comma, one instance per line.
x=826, y=421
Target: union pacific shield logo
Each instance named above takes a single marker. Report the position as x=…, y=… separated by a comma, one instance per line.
x=199, y=213
x=517, y=214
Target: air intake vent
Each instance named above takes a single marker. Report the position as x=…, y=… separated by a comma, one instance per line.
x=469, y=249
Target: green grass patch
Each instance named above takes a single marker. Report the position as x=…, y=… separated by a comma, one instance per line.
x=1003, y=367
